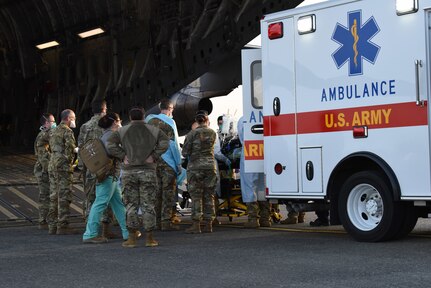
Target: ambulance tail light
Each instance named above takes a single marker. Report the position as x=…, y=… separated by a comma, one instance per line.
x=278, y=168
x=266, y=191
x=360, y=132
x=275, y=30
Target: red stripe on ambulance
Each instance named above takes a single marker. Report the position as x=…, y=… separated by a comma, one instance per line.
x=375, y=117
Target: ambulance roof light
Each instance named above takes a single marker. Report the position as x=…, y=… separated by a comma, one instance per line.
x=306, y=24
x=406, y=6
x=275, y=30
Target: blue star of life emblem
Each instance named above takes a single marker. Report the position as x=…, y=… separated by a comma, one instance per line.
x=355, y=41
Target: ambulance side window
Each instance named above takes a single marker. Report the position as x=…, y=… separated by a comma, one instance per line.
x=256, y=80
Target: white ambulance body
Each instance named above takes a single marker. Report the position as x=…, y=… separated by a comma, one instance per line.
x=344, y=108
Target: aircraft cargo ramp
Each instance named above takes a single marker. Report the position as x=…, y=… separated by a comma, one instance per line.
x=19, y=200
x=19, y=192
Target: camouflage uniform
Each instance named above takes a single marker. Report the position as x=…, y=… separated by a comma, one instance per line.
x=62, y=143
x=139, y=142
x=90, y=130
x=42, y=152
x=201, y=171
x=167, y=179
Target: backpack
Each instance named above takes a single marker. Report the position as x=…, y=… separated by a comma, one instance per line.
x=96, y=159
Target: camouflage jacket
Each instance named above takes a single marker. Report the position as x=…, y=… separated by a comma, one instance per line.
x=42, y=151
x=62, y=144
x=199, y=148
x=165, y=127
x=138, y=141
x=90, y=130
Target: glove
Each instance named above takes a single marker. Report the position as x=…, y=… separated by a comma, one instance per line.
x=76, y=150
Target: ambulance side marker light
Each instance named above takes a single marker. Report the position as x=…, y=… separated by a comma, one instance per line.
x=406, y=6
x=360, y=132
x=306, y=24
x=278, y=168
x=275, y=30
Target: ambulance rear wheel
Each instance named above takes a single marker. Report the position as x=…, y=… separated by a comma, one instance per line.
x=409, y=222
x=367, y=209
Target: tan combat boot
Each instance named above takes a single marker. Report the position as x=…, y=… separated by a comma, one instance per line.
x=301, y=217
x=208, y=228
x=195, y=228
x=174, y=218
x=168, y=226
x=253, y=220
x=292, y=218
x=150, y=242
x=52, y=230
x=131, y=242
x=216, y=222
x=107, y=233
x=265, y=214
x=43, y=226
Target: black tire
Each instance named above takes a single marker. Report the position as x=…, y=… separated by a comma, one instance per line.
x=409, y=223
x=369, y=227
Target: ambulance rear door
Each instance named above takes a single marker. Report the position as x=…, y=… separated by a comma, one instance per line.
x=280, y=138
x=252, y=109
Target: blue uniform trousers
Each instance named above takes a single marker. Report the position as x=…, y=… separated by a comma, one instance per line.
x=107, y=192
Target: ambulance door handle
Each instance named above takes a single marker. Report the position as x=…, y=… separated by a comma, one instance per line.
x=418, y=65
x=309, y=170
x=276, y=106
x=257, y=129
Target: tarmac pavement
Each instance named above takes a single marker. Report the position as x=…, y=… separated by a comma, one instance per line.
x=229, y=257
x=280, y=256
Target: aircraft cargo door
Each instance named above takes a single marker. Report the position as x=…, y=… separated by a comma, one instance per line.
x=252, y=107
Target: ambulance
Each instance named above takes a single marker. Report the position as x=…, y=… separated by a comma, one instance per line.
x=336, y=112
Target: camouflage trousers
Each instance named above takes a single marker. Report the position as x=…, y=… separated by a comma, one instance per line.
x=60, y=198
x=43, y=183
x=90, y=182
x=139, y=193
x=201, y=187
x=165, y=197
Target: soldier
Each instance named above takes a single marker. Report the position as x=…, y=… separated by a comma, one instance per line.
x=63, y=148
x=322, y=218
x=43, y=152
x=220, y=128
x=139, y=146
x=219, y=156
x=201, y=172
x=168, y=168
x=294, y=218
x=258, y=211
x=90, y=130
x=107, y=190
